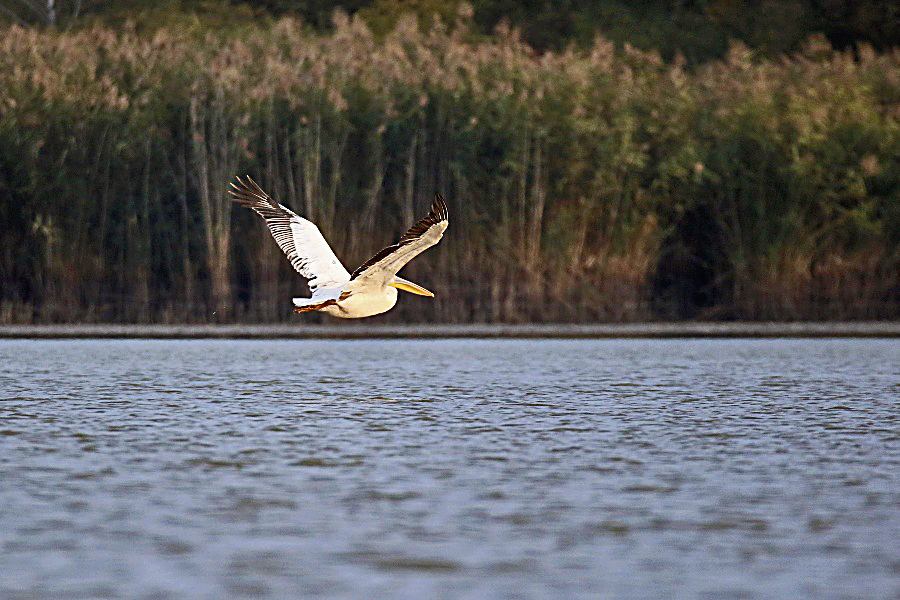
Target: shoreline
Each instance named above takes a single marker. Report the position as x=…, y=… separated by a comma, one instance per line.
x=865, y=329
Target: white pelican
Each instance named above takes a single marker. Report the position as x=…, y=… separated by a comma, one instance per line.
x=372, y=289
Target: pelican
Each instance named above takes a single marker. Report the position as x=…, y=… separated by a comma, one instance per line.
x=372, y=288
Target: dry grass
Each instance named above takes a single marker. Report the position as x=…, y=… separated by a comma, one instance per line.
x=570, y=174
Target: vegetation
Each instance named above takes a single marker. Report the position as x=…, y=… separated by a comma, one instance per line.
x=585, y=184
x=696, y=29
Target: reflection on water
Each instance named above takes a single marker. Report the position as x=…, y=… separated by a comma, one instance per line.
x=450, y=469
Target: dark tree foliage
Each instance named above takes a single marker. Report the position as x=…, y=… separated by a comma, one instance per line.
x=699, y=30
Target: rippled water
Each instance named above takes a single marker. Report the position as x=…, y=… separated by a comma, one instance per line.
x=450, y=469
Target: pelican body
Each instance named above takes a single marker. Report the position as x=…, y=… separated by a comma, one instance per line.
x=372, y=288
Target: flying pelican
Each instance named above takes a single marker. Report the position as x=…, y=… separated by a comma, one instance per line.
x=372, y=288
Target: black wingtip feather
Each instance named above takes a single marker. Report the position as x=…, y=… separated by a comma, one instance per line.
x=439, y=207
x=248, y=193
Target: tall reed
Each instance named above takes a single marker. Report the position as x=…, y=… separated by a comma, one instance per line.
x=584, y=185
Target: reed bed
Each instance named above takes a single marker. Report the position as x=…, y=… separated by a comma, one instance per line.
x=588, y=185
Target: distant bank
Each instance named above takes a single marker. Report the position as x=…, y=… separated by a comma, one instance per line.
x=874, y=329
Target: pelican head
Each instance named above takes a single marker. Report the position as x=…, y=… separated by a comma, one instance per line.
x=409, y=286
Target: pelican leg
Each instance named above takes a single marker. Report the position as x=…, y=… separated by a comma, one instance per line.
x=314, y=307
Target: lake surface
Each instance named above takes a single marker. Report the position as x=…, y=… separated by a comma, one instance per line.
x=460, y=468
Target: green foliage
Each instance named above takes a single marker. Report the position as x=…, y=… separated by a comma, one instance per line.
x=697, y=31
x=584, y=184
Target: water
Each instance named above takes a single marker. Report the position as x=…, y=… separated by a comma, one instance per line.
x=450, y=469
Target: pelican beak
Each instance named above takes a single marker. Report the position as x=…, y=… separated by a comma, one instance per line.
x=409, y=286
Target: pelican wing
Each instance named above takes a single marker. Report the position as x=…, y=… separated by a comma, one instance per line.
x=299, y=238
x=424, y=234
